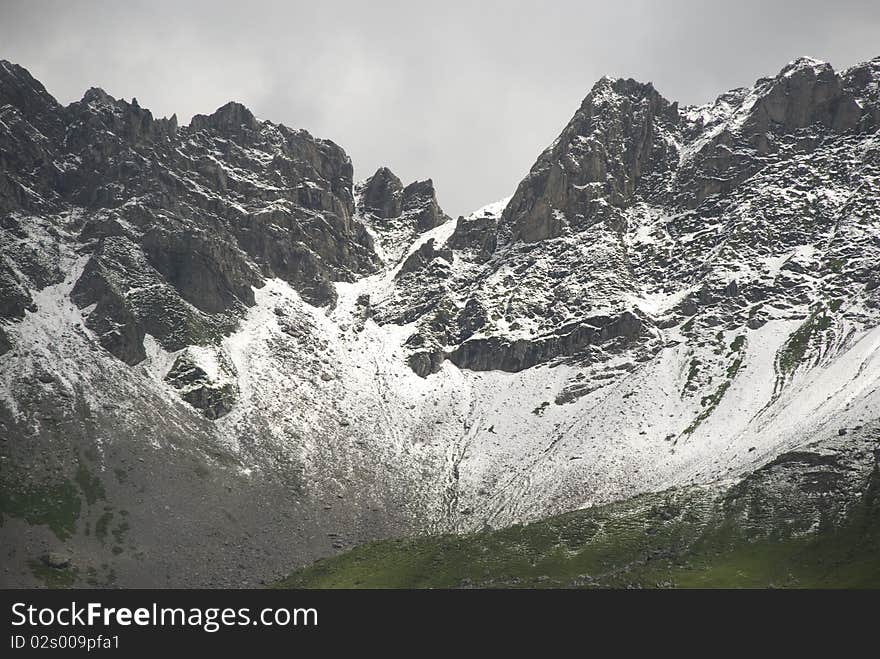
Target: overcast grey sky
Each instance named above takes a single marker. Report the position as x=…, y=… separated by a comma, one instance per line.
x=467, y=93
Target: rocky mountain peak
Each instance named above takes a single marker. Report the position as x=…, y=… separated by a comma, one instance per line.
x=863, y=81
x=27, y=96
x=97, y=96
x=21, y=90
x=611, y=142
x=804, y=63
x=381, y=195
x=229, y=118
x=397, y=213
x=578, y=241
x=614, y=93
x=125, y=120
x=805, y=92
x=177, y=227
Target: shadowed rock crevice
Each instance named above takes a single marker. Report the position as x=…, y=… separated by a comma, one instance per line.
x=495, y=353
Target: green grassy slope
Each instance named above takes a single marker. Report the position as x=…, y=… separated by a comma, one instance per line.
x=757, y=534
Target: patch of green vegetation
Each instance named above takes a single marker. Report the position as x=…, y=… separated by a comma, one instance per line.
x=835, y=264
x=719, y=340
x=94, y=579
x=121, y=475
x=709, y=404
x=91, y=485
x=693, y=371
x=102, y=525
x=738, y=343
x=733, y=369
x=835, y=304
x=54, y=577
x=681, y=538
x=57, y=505
x=711, y=401
x=792, y=353
x=120, y=531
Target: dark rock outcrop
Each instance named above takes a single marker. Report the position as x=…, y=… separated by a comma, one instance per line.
x=805, y=92
x=21, y=91
x=103, y=284
x=210, y=274
x=426, y=363
x=232, y=119
x=420, y=206
x=214, y=399
x=515, y=355
x=15, y=298
x=5, y=342
x=391, y=207
x=382, y=195
x=423, y=257
x=479, y=234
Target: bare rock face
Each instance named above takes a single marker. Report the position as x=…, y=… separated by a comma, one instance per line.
x=860, y=82
x=805, y=92
x=212, y=393
x=614, y=139
x=478, y=234
x=102, y=285
x=209, y=274
x=127, y=298
x=499, y=354
x=398, y=214
x=27, y=98
x=420, y=206
x=15, y=298
x=423, y=257
x=382, y=195
x=232, y=118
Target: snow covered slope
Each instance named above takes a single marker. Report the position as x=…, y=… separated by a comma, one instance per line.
x=220, y=358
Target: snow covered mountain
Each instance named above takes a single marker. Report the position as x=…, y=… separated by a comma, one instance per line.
x=220, y=358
